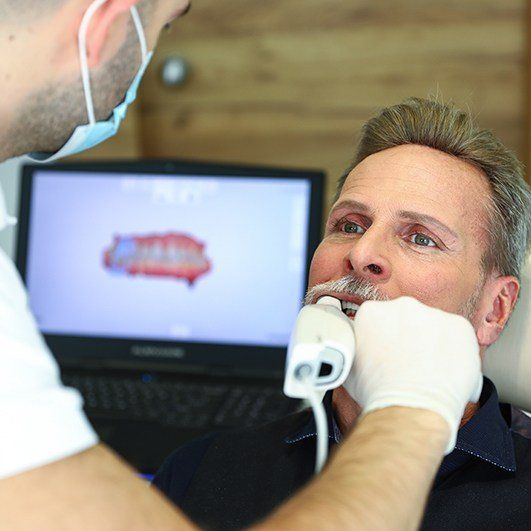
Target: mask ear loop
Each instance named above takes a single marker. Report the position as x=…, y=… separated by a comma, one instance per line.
x=83, y=59
x=141, y=32
x=83, y=56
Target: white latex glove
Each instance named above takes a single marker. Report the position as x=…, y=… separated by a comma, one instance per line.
x=409, y=354
x=40, y=420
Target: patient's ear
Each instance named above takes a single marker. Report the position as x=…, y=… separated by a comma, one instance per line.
x=103, y=19
x=497, y=303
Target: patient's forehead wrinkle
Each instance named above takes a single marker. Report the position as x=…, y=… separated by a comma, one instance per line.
x=414, y=200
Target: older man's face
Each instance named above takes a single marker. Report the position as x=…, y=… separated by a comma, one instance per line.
x=409, y=221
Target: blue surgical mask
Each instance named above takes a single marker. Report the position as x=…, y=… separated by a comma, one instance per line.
x=87, y=136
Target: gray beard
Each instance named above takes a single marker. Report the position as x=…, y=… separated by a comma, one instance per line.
x=469, y=308
x=363, y=288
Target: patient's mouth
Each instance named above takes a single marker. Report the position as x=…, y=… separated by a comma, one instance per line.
x=349, y=309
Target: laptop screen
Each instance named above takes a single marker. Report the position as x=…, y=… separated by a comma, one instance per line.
x=216, y=259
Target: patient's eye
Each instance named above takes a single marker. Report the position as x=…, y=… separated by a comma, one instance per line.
x=421, y=239
x=345, y=226
x=351, y=228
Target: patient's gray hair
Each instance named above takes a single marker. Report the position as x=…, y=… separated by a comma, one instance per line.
x=450, y=130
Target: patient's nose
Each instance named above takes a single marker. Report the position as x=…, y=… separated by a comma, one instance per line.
x=366, y=258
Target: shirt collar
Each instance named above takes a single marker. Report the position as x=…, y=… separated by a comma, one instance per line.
x=308, y=429
x=485, y=436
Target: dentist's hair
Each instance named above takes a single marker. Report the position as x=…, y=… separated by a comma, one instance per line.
x=445, y=128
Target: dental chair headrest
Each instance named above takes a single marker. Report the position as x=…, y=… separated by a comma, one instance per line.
x=508, y=361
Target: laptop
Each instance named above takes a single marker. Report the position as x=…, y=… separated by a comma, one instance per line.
x=167, y=291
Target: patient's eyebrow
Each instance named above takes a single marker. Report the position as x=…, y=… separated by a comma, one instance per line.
x=362, y=208
x=417, y=217
x=425, y=219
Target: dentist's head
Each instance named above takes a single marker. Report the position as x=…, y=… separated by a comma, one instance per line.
x=86, y=57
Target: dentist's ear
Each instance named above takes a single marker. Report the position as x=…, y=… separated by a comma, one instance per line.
x=499, y=297
x=106, y=16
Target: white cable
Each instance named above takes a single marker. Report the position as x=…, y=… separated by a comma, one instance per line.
x=321, y=424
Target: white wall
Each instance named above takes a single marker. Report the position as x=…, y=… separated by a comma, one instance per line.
x=10, y=183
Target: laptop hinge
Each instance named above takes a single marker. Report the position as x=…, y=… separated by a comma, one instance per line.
x=217, y=371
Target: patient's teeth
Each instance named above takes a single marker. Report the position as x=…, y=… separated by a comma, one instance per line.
x=350, y=305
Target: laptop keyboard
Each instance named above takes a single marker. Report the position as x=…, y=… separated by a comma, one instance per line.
x=182, y=405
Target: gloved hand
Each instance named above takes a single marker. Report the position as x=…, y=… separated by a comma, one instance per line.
x=409, y=354
x=40, y=420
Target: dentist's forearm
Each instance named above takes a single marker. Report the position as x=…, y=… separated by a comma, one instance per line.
x=93, y=490
x=378, y=479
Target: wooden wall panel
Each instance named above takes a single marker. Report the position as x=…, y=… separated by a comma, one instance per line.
x=289, y=82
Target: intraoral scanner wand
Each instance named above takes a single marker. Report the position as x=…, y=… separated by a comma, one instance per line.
x=320, y=356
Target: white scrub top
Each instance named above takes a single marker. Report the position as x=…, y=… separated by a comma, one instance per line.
x=41, y=421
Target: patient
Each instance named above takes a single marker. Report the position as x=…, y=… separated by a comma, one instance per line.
x=434, y=208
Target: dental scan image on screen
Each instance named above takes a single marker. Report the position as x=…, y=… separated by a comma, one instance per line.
x=186, y=258
x=167, y=255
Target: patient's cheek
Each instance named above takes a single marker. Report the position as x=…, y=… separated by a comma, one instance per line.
x=435, y=289
x=322, y=267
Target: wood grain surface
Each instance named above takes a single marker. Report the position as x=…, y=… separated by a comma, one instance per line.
x=290, y=82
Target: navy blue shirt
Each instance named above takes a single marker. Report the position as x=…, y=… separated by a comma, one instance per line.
x=485, y=436
x=231, y=480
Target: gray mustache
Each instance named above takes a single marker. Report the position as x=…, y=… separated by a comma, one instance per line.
x=347, y=285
